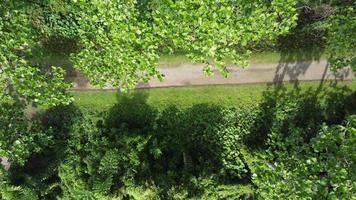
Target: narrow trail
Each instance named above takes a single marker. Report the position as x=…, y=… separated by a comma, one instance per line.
x=188, y=74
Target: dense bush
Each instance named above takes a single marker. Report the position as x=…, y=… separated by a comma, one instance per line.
x=283, y=112
x=132, y=144
x=202, y=139
x=286, y=146
x=320, y=169
x=20, y=137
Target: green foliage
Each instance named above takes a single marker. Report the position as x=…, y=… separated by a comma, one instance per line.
x=184, y=138
x=119, y=43
x=136, y=151
x=284, y=112
x=341, y=39
x=112, y=36
x=10, y=192
x=19, y=137
x=320, y=169
x=58, y=20
x=19, y=78
x=219, y=30
x=130, y=145
x=128, y=40
x=102, y=159
x=322, y=26
x=140, y=192
x=13, y=192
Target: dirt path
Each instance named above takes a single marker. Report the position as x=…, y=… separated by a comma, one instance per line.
x=192, y=74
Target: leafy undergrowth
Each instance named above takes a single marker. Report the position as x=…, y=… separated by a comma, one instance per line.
x=285, y=146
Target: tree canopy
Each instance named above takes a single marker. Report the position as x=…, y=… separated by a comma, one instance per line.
x=121, y=41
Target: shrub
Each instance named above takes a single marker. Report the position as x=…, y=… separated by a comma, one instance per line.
x=320, y=169
x=202, y=139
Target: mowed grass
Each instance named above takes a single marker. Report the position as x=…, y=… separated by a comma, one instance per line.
x=225, y=95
